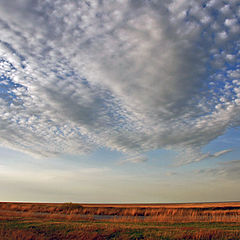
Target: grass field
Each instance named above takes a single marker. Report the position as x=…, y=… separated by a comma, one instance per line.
x=133, y=221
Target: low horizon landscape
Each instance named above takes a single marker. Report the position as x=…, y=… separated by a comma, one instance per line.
x=119, y=221
x=119, y=119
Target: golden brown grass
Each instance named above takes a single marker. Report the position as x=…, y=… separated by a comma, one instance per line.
x=26, y=228
x=205, y=212
x=39, y=221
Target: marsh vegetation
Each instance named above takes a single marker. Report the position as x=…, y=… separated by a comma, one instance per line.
x=133, y=221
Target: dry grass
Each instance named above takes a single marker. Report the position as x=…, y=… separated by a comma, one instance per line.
x=25, y=221
x=26, y=228
x=208, y=212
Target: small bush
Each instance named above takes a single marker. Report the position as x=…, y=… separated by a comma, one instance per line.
x=71, y=206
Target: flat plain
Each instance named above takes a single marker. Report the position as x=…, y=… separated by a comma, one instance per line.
x=119, y=221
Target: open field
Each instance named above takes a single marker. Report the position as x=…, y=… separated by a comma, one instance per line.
x=119, y=221
x=227, y=212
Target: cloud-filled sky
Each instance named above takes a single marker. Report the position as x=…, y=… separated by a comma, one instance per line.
x=128, y=82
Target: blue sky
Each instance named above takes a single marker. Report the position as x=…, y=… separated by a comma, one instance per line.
x=119, y=101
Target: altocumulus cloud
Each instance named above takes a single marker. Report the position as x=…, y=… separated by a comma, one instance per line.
x=132, y=76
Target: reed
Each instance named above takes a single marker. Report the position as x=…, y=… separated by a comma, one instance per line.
x=141, y=213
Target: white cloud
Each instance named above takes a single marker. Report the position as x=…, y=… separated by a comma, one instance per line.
x=227, y=170
x=220, y=153
x=191, y=155
x=127, y=75
x=134, y=159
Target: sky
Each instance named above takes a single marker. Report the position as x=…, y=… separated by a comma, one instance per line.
x=119, y=100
